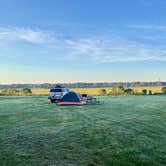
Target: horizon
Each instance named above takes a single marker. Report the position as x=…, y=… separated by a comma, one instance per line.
x=84, y=82
x=82, y=41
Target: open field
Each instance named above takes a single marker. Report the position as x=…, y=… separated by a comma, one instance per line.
x=127, y=131
x=90, y=91
x=94, y=91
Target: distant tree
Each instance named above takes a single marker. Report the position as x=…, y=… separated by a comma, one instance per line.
x=163, y=90
x=150, y=92
x=25, y=91
x=117, y=90
x=4, y=92
x=102, y=92
x=10, y=91
x=129, y=91
x=144, y=91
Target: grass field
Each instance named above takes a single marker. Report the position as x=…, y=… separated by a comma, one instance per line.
x=94, y=91
x=127, y=131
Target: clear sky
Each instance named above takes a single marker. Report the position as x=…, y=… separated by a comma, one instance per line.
x=82, y=40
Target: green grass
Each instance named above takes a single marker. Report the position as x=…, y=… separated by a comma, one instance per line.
x=127, y=131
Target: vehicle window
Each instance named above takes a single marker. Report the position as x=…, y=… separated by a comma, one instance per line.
x=56, y=90
x=65, y=90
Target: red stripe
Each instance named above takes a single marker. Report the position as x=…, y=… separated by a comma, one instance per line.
x=71, y=103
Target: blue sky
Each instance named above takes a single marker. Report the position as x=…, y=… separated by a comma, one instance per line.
x=82, y=40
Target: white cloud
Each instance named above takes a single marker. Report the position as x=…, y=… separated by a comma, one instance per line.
x=26, y=34
x=97, y=49
x=115, y=50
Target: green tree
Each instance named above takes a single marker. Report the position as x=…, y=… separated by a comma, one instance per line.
x=10, y=91
x=163, y=90
x=144, y=91
x=102, y=92
x=150, y=92
x=4, y=92
x=118, y=90
x=129, y=91
x=25, y=91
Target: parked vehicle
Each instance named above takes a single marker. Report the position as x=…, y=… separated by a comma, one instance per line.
x=57, y=93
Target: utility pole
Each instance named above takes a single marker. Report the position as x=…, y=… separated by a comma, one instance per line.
x=159, y=82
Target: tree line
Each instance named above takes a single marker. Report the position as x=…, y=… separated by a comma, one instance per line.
x=119, y=90
x=114, y=91
x=16, y=92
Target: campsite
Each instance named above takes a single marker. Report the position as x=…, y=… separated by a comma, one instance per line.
x=82, y=82
x=128, y=130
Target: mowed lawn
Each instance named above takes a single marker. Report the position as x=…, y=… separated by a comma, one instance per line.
x=127, y=131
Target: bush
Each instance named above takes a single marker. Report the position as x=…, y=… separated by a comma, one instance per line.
x=15, y=92
x=144, y=92
x=150, y=92
x=129, y=91
x=25, y=91
x=118, y=90
x=10, y=91
x=163, y=90
x=102, y=92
